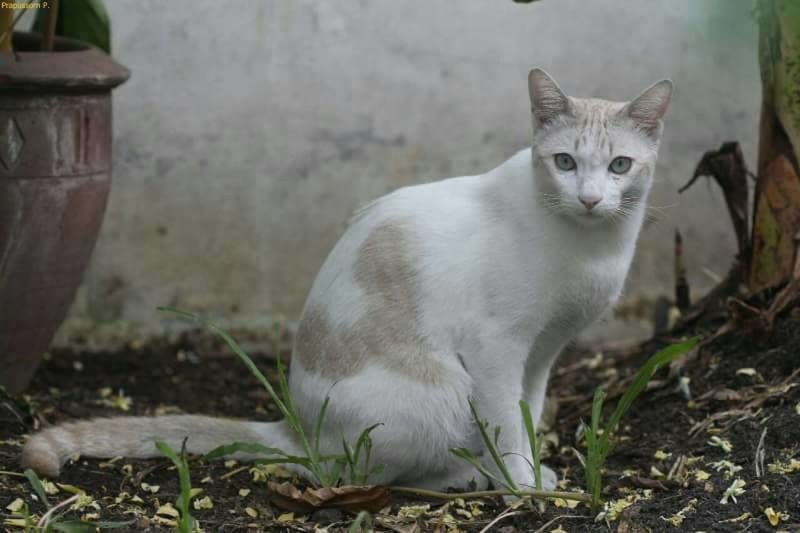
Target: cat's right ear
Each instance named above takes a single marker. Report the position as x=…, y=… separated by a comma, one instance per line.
x=548, y=101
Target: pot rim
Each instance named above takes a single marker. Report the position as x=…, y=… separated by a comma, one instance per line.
x=72, y=66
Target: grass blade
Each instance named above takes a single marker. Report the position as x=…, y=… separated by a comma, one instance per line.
x=313, y=461
x=644, y=374
x=533, y=441
x=286, y=407
x=186, y=523
x=361, y=523
x=469, y=457
x=233, y=345
x=490, y=446
x=320, y=419
x=38, y=488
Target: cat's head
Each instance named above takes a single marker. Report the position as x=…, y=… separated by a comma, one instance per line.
x=594, y=158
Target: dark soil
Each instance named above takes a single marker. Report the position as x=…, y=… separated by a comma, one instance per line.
x=676, y=489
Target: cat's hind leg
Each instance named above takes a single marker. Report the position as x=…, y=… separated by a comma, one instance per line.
x=419, y=422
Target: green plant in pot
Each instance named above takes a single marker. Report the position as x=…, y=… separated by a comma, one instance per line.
x=55, y=171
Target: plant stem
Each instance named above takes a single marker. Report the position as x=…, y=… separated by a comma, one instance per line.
x=50, y=26
x=6, y=23
x=578, y=496
x=44, y=521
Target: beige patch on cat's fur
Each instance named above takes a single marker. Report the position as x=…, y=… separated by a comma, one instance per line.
x=387, y=332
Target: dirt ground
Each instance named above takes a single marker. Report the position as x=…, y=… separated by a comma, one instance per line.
x=674, y=462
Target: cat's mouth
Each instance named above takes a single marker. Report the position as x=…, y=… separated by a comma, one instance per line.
x=592, y=217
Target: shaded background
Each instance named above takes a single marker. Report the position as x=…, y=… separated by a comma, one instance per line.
x=247, y=135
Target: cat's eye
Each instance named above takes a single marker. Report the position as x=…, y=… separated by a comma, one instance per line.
x=620, y=165
x=564, y=162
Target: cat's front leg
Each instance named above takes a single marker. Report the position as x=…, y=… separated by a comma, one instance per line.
x=498, y=387
x=537, y=373
x=542, y=356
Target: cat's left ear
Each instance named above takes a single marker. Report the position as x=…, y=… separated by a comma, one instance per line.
x=548, y=101
x=649, y=108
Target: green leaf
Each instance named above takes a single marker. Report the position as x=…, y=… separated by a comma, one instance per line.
x=38, y=488
x=598, y=446
x=85, y=20
x=186, y=523
x=471, y=458
x=320, y=419
x=492, y=449
x=259, y=449
x=284, y=404
x=362, y=522
x=363, y=443
x=291, y=417
x=644, y=374
x=527, y=419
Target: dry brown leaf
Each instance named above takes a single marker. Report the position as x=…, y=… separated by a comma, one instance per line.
x=354, y=498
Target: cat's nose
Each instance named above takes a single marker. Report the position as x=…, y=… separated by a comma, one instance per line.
x=589, y=201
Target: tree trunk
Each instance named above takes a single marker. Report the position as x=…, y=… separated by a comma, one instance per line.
x=776, y=216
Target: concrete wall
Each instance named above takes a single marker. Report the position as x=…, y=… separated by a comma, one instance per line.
x=248, y=134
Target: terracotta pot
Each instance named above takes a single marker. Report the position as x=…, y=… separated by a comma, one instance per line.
x=55, y=175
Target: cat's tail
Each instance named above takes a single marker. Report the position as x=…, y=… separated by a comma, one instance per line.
x=46, y=451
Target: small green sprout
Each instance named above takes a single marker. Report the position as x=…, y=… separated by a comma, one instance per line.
x=187, y=523
x=599, y=441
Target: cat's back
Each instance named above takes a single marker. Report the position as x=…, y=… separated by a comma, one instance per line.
x=368, y=293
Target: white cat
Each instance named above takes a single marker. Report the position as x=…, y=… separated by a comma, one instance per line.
x=466, y=288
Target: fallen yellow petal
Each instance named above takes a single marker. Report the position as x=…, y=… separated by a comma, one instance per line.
x=719, y=442
x=772, y=516
x=72, y=489
x=16, y=505
x=661, y=455
x=736, y=489
x=413, y=511
x=152, y=489
x=20, y=522
x=787, y=467
x=169, y=522
x=83, y=501
x=49, y=487
x=701, y=475
x=569, y=504
x=676, y=519
x=252, y=513
x=203, y=503
x=168, y=510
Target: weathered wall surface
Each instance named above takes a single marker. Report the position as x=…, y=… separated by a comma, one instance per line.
x=247, y=135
